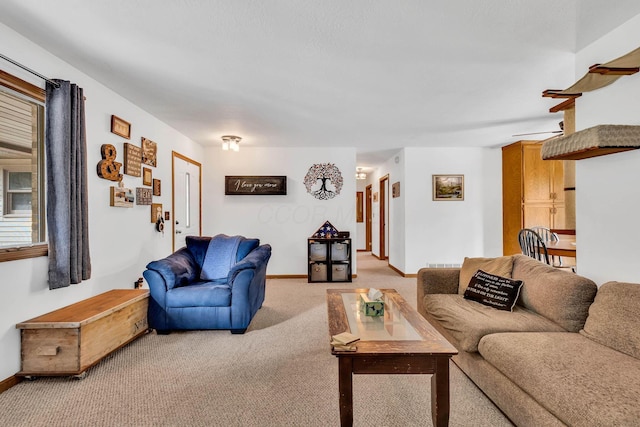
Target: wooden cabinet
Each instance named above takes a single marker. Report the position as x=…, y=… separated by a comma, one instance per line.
x=329, y=260
x=532, y=192
x=70, y=340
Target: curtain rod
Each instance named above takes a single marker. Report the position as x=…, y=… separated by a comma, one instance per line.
x=35, y=73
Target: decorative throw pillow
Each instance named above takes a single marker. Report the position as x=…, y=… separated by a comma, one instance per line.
x=500, y=266
x=494, y=291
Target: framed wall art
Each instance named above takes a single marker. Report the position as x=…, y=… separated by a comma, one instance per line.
x=147, y=176
x=359, y=206
x=255, y=185
x=132, y=159
x=395, y=189
x=149, y=150
x=448, y=187
x=156, y=187
x=120, y=127
x=156, y=212
x=143, y=196
x=121, y=197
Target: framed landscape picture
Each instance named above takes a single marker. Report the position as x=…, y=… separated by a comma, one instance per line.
x=448, y=187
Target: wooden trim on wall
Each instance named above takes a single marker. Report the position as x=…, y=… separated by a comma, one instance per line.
x=21, y=86
x=174, y=155
x=24, y=252
x=6, y=384
x=402, y=273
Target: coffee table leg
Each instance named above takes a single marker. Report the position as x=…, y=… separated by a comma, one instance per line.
x=345, y=386
x=440, y=393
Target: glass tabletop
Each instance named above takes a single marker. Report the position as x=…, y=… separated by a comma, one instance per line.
x=393, y=326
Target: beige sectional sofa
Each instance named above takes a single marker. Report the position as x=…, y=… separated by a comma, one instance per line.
x=559, y=358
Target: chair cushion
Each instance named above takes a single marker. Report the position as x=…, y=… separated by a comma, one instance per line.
x=220, y=257
x=200, y=294
x=468, y=321
x=500, y=266
x=614, y=318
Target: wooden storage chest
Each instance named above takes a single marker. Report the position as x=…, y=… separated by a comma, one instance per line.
x=70, y=340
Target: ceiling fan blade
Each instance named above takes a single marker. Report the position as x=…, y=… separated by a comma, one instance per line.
x=537, y=133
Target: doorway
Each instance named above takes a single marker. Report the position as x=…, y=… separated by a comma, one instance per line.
x=369, y=217
x=384, y=213
x=186, y=205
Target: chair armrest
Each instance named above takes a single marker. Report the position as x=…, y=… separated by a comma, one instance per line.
x=177, y=269
x=256, y=258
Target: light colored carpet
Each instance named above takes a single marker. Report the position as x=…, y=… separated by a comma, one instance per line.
x=279, y=373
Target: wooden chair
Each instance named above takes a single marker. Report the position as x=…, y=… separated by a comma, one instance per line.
x=532, y=244
x=549, y=236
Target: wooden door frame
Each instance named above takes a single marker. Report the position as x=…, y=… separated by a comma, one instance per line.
x=368, y=217
x=174, y=155
x=384, y=181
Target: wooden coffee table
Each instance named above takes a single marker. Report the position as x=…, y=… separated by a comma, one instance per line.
x=400, y=342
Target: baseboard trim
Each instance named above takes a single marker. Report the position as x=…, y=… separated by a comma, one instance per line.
x=287, y=276
x=9, y=382
x=402, y=273
x=297, y=276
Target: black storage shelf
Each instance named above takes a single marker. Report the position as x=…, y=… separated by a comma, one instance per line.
x=329, y=260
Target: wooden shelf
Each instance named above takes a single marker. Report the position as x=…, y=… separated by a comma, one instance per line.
x=596, y=141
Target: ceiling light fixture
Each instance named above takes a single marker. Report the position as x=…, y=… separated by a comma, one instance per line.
x=231, y=142
x=360, y=174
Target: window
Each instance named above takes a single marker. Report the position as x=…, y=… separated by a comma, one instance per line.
x=22, y=216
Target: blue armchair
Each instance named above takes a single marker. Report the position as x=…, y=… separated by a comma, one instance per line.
x=211, y=283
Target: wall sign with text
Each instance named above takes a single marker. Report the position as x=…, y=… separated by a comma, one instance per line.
x=255, y=185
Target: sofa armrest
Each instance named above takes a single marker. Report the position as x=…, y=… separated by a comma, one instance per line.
x=436, y=281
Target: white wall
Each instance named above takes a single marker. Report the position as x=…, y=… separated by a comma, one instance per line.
x=447, y=231
x=607, y=190
x=122, y=240
x=425, y=231
x=285, y=222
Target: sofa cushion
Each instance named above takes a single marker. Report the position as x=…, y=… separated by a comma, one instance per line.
x=468, y=321
x=500, y=266
x=614, y=318
x=493, y=291
x=200, y=294
x=559, y=295
x=578, y=380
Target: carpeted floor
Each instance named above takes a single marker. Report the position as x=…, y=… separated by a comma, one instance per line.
x=279, y=373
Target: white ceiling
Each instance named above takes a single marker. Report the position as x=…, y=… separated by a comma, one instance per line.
x=377, y=75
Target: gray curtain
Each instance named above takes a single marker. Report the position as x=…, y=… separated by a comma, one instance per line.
x=67, y=203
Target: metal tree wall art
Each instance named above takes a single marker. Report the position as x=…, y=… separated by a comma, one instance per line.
x=323, y=181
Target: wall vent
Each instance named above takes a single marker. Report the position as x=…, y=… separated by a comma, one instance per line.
x=443, y=265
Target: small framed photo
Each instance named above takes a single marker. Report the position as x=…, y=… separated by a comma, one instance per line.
x=156, y=187
x=448, y=187
x=147, y=176
x=149, y=150
x=120, y=127
x=156, y=212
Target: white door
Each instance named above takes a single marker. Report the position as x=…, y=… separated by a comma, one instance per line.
x=187, y=218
